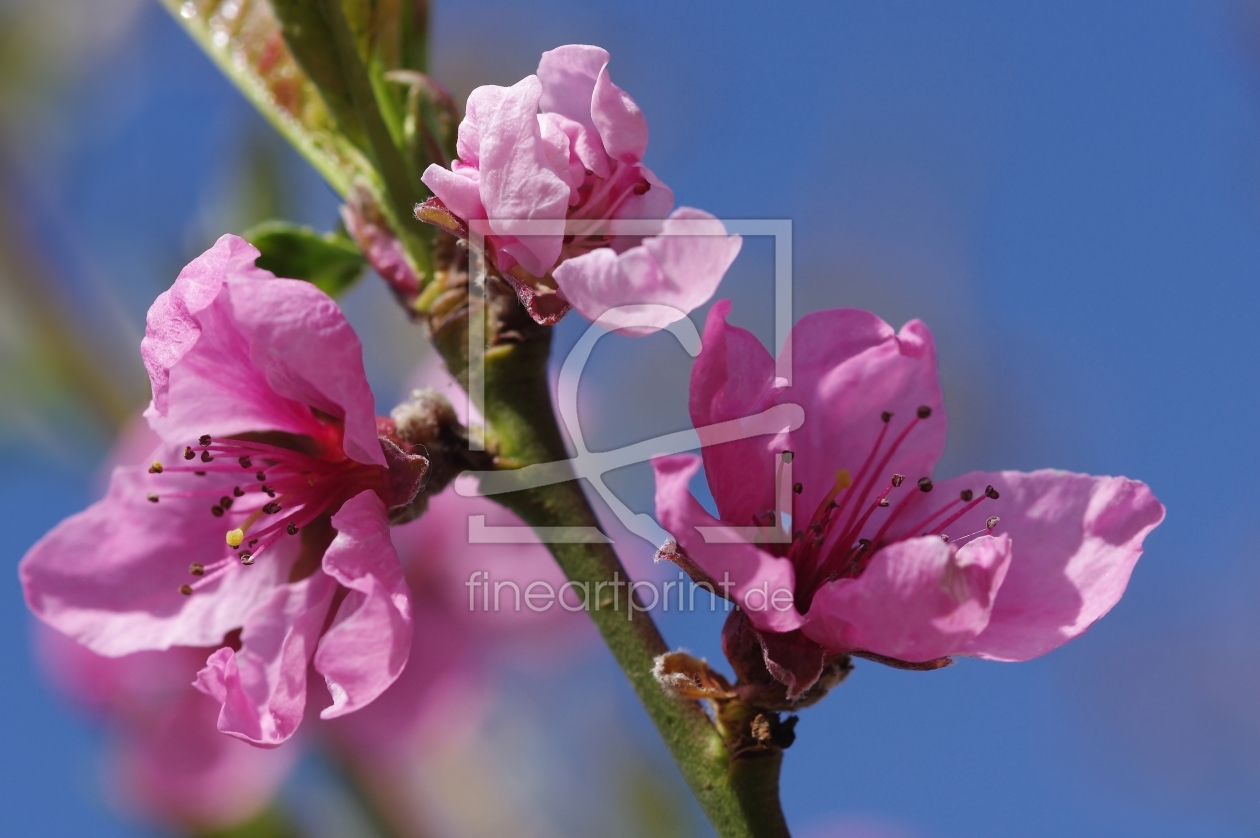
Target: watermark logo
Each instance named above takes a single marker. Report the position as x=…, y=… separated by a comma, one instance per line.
x=591, y=466
x=487, y=593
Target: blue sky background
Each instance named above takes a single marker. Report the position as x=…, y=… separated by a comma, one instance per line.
x=1067, y=193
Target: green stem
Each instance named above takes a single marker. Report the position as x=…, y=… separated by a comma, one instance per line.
x=270, y=823
x=739, y=796
x=402, y=193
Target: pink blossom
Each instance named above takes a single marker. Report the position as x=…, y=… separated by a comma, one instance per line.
x=459, y=635
x=459, y=638
x=881, y=561
x=167, y=761
x=578, y=160
x=259, y=527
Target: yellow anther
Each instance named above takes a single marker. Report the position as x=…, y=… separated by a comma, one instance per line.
x=235, y=537
x=843, y=479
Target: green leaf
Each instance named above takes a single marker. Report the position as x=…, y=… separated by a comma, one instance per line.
x=330, y=262
x=245, y=40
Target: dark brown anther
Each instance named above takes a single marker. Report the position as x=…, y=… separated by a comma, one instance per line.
x=205, y=440
x=924, y=411
x=271, y=508
x=156, y=468
x=991, y=493
x=152, y=498
x=216, y=511
x=247, y=558
x=864, y=544
x=186, y=590
x=197, y=569
x=925, y=484
x=966, y=495
x=992, y=522
x=268, y=491
x=898, y=479
x=798, y=487
x=238, y=492
x=886, y=416
x=245, y=462
x=642, y=187
x=205, y=457
x=225, y=502
x=944, y=538
x=188, y=453
x=200, y=473
x=291, y=529
x=787, y=456
x=252, y=542
x=883, y=503
x=260, y=476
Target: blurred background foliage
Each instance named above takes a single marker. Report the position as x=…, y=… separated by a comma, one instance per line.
x=1068, y=193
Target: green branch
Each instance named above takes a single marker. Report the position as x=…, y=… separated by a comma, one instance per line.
x=740, y=796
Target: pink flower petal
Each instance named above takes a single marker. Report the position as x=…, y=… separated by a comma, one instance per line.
x=753, y=578
x=848, y=367
x=917, y=601
x=262, y=688
x=110, y=575
x=458, y=189
x=479, y=114
x=366, y=647
x=620, y=123
x=231, y=350
x=655, y=203
x=733, y=378
x=439, y=696
x=1075, y=539
x=568, y=75
x=661, y=280
x=518, y=181
x=168, y=762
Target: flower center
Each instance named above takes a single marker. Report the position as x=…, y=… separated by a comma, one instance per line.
x=599, y=199
x=265, y=492
x=835, y=543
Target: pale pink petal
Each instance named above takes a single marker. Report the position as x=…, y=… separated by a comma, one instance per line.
x=518, y=182
x=178, y=769
x=230, y=349
x=573, y=171
x=479, y=112
x=917, y=601
x=366, y=647
x=620, y=123
x=556, y=145
x=168, y=762
x=760, y=583
x=1075, y=539
x=440, y=696
x=733, y=378
x=262, y=687
x=656, y=202
x=660, y=281
x=568, y=75
x=173, y=328
x=110, y=575
x=848, y=367
x=459, y=189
